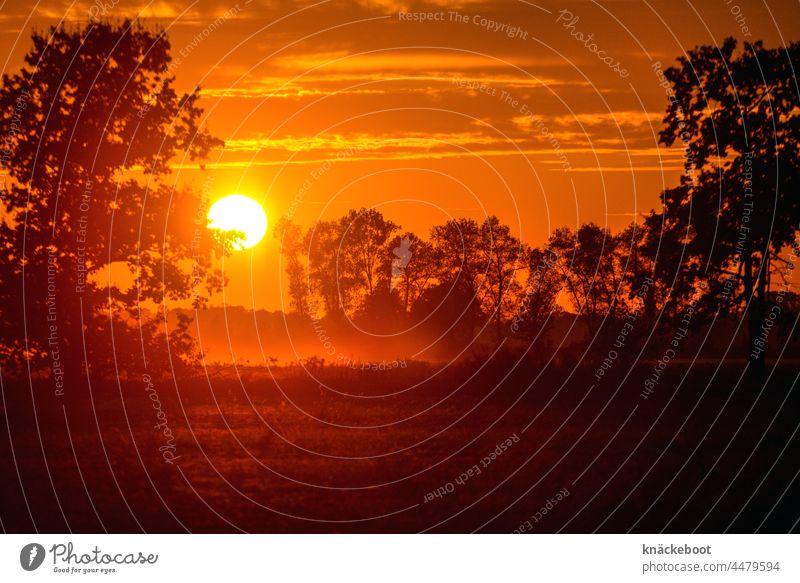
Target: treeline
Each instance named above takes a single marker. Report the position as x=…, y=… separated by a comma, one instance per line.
x=366, y=268
x=466, y=275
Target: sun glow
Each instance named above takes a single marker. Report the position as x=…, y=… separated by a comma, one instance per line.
x=237, y=212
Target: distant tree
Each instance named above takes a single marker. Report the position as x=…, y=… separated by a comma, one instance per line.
x=659, y=254
x=538, y=300
x=460, y=252
x=290, y=236
x=646, y=281
x=737, y=115
x=381, y=312
x=346, y=257
x=589, y=265
x=322, y=243
x=364, y=237
x=786, y=320
x=448, y=313
x=411, y=269
x=505, y=256
x=93, y=122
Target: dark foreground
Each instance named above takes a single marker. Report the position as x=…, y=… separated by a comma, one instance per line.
x=710, y=450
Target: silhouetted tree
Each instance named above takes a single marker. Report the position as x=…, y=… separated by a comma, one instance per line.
x=94, y=121
x=589, y=265
x=660, y=254
x=381, y=312
x=345, y=259
x=537, y=301
x=652, y=268
x=459, y=252
x=364, y=237
x=504, y=256
x=291, y=237
x=411, y=269
x=326, y=275
x=737, y=114
x=448, y=313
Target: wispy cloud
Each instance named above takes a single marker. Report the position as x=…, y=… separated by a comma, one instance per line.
x=377, y=83
x=544, y=155
x=398, y=60
x=408, y=141
x=630, y=118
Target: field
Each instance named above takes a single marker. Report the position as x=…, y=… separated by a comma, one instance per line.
x=406, y=450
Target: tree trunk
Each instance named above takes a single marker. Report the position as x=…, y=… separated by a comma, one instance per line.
x=499, y=326
x=755, y=315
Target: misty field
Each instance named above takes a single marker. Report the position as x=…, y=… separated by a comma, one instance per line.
x=468, y=449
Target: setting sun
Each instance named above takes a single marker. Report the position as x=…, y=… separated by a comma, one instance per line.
x=237, y=212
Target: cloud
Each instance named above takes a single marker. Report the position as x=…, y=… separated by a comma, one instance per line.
x=301, y=151
x=408, y=141
x=629, y=118
x=397, y=60
x=379, y=83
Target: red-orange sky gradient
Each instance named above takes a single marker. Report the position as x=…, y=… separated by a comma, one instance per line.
x=335, y=105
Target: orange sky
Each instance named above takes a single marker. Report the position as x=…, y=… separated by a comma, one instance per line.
x=332, y=105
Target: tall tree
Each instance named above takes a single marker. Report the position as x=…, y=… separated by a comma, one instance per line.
x=364, y=237
x=94, y=122
x=589, y=264
x=460, y=252
x=737, y=115
x=500, y=285
x=538, y=300
x=411, y=269
x=327, y=277
x=290, y=236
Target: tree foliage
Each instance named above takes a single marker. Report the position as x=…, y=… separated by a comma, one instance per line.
x=96, y=122
x=737, y=114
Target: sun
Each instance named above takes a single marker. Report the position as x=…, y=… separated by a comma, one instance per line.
x=237, y=212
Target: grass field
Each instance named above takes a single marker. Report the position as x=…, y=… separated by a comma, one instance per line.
x=404, y=451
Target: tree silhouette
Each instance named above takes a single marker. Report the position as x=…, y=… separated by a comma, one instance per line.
x=291, y=238
x=322, y=243
x=411, y=269
x=345, y=259
x=505, y=256
x=458, y=252
x=381, y=312
x=448, y=313
x=364, y=235
x=356, y=268
x=590, y=268
x=97, y=121
x=538, y=299
x=736, y=113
